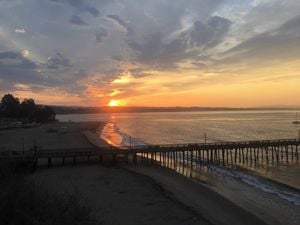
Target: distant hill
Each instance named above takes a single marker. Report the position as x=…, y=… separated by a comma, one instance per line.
x=281, y=107
x=125, y=109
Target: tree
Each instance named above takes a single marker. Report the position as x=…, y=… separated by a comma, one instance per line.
x=28, y=108
x=43, y=114
x=10, y=106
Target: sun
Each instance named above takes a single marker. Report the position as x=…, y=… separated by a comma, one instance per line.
x=113, y=103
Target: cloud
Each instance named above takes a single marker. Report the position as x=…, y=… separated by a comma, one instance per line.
x=102, y=33
x=15, y=59
x=150, y=40
x=58, y=62
x=77, y=20
x=160, y=52
x=20, y=30
x=139, y=73
x=17, y=71
x=93, y=11
x=211, y=33
x=291, y=27
x=277, y=45
x=121, y=23
x=117, y=57
x=80, y=6
x=14, y=68
x=25, y=52
x=154, y=52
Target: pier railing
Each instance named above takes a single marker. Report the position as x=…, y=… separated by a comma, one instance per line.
x=170, y=155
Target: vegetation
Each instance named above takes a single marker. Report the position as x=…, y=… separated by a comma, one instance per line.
x=24, y=202
x=26, y=110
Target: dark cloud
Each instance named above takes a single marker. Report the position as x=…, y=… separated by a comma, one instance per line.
x=209, y=34
x=102, y=33
x=58, y=62
x=77, y=20
x=159, y=54
x=200, y=65
x=279, y=44
x=291, y=27
x=15, y=59
x=122, y=23
x=15, y=69
x=139, y=73
x=117, y=57
x=80, y=6
x=92, y=11
x=201, y=34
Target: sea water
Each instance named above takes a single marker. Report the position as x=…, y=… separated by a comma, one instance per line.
x=279, y=204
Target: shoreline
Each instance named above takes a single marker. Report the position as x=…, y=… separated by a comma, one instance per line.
x=124, y=110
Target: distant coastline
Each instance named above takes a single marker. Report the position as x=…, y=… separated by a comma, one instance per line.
x=137, y=109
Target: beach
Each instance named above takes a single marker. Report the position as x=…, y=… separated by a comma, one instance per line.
x=135, y=195
x=126, y=194
x=54, y=135
x=117, y=196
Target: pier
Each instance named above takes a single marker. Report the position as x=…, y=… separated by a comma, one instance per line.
x=227, y=154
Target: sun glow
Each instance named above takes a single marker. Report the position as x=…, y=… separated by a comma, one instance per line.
x=114, y=103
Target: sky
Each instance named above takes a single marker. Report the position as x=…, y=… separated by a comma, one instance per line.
x=210, y=53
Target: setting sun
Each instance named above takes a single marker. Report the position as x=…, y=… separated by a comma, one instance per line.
x=113, y=103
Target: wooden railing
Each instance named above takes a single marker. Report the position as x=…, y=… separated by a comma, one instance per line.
x=225, y=153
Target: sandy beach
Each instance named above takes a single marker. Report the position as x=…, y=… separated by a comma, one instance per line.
x=117, y=196
x=140, y=195
x=55, y=135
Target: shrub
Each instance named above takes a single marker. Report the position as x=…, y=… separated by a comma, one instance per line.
x=27, y=203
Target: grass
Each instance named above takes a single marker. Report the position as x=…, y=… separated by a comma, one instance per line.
x=27, y=203
x=52, y=130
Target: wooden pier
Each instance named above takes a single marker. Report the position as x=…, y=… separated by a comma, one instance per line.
x=222, y=153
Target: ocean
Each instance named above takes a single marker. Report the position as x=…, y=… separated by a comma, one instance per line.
x=269, y=191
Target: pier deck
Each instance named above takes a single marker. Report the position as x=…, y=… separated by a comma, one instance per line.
x=225, y=153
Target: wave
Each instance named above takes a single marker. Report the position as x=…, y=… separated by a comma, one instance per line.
x=259, y=183
x=115, y=137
